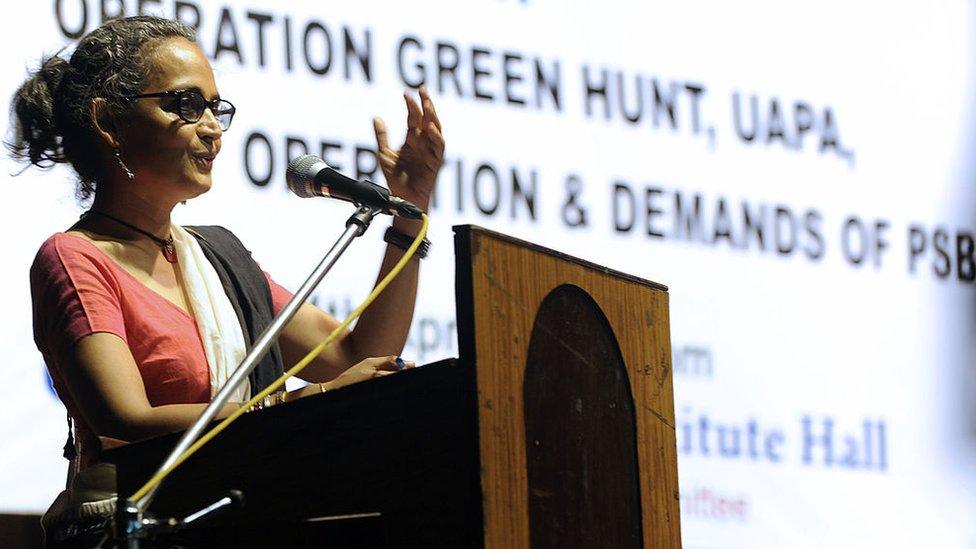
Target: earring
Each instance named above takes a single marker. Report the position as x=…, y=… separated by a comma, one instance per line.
x=128, y=172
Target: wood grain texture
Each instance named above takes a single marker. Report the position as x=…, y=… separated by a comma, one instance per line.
x=499, y=293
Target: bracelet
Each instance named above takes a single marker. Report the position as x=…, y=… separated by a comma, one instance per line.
x=261, y=404
x=268, y=401
x=403, y=241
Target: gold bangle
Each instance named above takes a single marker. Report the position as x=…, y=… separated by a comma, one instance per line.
x=321, y=388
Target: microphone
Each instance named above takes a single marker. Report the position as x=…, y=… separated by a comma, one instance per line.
x=309, y=176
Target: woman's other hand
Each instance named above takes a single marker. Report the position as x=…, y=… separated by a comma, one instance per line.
x=367, y=369
x=411, y=170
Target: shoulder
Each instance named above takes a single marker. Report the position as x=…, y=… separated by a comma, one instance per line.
x=75, y=291
x=72, y=256
x=62, y=247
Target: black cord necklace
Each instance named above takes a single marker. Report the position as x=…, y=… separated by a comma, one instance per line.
x=169, y=251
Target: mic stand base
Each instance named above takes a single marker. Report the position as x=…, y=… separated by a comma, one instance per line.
x=129, y=528
x=133, y=526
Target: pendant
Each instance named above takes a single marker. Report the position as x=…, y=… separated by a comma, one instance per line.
x=169, y=252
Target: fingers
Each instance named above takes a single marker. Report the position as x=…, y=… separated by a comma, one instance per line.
x=433, y=157
x=420, y=118
x=430, y=113
x=379, y=128
x=400, y=364
x=414, y=114
x=435, y=140
x=389, y=364
x=422, y=152
x=433, y=130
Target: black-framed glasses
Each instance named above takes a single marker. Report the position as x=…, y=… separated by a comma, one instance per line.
x=190, y=105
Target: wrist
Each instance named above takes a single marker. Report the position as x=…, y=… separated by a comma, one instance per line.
x=420, y=200
x=409, y=227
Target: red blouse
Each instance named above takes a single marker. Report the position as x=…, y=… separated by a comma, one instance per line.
x=78, y=290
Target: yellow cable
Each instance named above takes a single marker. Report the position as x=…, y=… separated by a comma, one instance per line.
x=161, y=475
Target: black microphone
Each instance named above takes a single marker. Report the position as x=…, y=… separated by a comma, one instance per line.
x=309, y=176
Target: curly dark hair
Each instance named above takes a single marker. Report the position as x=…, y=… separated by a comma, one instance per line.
x=52, y=108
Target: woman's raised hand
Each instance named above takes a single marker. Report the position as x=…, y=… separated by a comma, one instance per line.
x=411, y=170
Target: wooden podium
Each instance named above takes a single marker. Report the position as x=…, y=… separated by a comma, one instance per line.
x=554, y=428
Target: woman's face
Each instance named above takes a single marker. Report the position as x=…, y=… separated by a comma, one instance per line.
x=171, y=158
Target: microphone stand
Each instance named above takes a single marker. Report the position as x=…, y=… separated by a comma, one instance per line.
x=132, y=525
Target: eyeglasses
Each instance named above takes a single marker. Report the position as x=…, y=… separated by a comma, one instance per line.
x=190, y=105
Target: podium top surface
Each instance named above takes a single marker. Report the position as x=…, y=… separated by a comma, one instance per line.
x=468, y=230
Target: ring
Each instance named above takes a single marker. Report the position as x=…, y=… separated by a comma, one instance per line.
x=400, y=364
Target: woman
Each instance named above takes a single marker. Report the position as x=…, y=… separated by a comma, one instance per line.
x=139, y=320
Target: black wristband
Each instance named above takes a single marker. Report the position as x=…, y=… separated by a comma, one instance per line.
x=403, y=241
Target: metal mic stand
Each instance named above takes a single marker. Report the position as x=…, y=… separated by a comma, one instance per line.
x=131, y=523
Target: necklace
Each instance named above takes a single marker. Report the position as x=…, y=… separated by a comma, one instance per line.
x=169, y=251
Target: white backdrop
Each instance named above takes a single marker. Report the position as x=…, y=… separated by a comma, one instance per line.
x=801, y=177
